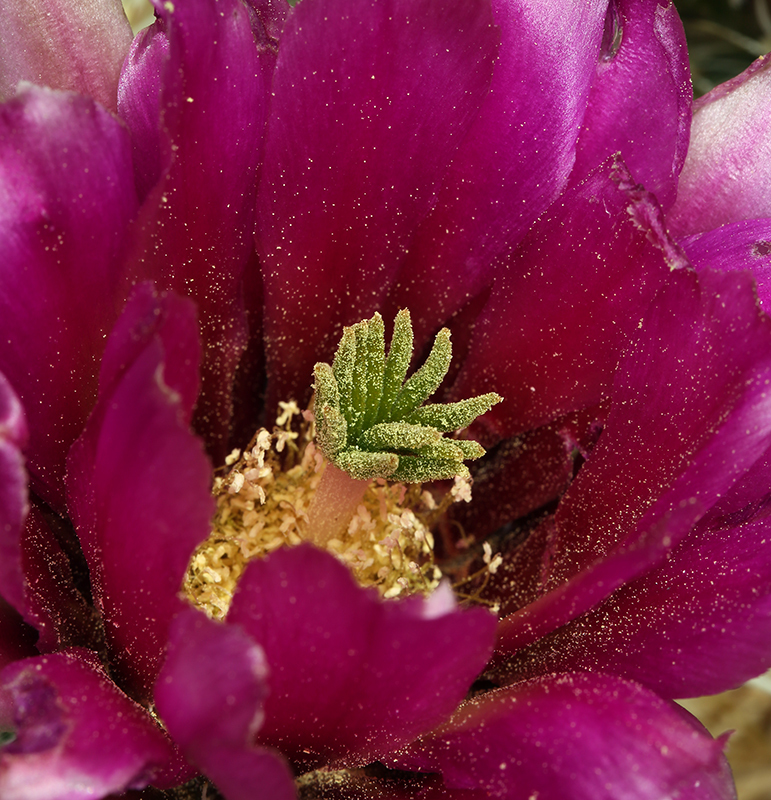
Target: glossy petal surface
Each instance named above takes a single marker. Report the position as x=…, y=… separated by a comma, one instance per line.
x=139, y=482
x=68, y=744
x=582, y=736
x=564, y=304
x=706, y=397
x=390, y=670
x=368, y=109
x=728, y=168
x=194, y=93
x=744, y=245
x=66, y=196
x=210, y=694
x=640, y=103
x=140, y=104
x=64, y=45
x=514, y=160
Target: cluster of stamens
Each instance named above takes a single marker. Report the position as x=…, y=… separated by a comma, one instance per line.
x=262, y=504
x=347, y=477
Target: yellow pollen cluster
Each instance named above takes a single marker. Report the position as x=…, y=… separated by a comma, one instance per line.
x=263, y=502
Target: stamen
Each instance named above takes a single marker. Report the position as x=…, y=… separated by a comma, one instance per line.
x=263, y=503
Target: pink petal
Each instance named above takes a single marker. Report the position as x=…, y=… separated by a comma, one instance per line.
x=389, y=670
x=78, y=736
x=194, y=96
x=13, y=493
x=686, y=423
x=582, y=736
x=76, y=46
x=744, y=245
x=369, y=105
x=514, y=160
x=67, y=195
x=564, y=304
x=728, y=168
x=139, y=483
x=210, y=694
x=640, y=104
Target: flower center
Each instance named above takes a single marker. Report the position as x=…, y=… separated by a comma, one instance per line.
x=263, y=502
x=348, y=476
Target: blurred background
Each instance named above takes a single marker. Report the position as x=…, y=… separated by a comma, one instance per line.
x=724, y=38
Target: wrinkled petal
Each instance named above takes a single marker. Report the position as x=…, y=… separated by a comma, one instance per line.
x=271, y=15
x=66, y=196
x=68, y=744
x=138, y=481
x=564, y=305
x=64, y=45
x=390, y=670
x=194, y=92
x=514, y=160
x=369, y=105
x=728, y=168
x=640, y=104
x=582, y=736
x=210, y=694
x=687, y=421
x=737, y=246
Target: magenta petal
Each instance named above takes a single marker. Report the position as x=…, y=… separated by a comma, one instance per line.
x=16, y=582
x=17, y=639
x=140, y=104
x=67, y=195
x=711, y=595
x=139, y=483
x=78, y=736
x=579, y=736
x=55, y=608
x=736, y=246
x=640, y=104
x=389, y=670
x=514, y=160
x=564, y=304
x=210, y=694
x=728, y=168
x=516, y=478
x=705, y=397
x=369, y=103
x=76, y=46
x=13, y=494
x=699, y=624
x=708, y=426
x=204, y=131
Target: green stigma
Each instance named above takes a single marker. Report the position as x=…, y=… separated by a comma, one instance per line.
x=372, y=423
